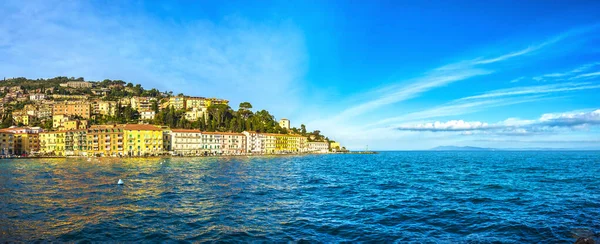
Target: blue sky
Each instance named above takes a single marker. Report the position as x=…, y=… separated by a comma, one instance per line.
x=394, y=75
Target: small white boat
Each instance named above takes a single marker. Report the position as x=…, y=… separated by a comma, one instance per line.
x=120, y=182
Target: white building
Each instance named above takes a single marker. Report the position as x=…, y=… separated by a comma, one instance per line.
x=212, y=142
x=147, y=115
x=234, y=143
x=254, y=142
x=196, y=113
x=318, y=147
x=183, y=142
x=284, y=123
x=37, y=97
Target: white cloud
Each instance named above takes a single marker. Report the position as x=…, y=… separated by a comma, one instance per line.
x=452, y=125
x=231, y=57
x=546, y=123
x=517, y=79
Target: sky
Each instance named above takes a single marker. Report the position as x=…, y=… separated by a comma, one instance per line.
x=387, y=75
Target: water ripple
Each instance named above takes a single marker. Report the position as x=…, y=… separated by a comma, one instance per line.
x=445, y=197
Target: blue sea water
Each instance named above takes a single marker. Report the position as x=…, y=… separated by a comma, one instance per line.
x=444, y=197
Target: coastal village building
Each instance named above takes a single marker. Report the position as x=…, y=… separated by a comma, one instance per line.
x=254, y=142
x=78, y=108
x=37, y=97
x=147, y=115
x=284, y=123
x=108, y=108
x=77, y=84
x=196, y=103
x=69, y=97
x=52, y=143
x=25, y=139
x=233, y=143
x=44, y=111
x=20, y=117
x=334, y=146
x=288, y=143
x=76, y=143
x=214, y=101
x=26, y=143
x=142, y=140
x=109, y=140
x=189, y=103
x=177, y=102
x=212, y=142
x=195, y=114
x=142, y=103
x=183, y=142
x=269, y=143
x=318, y=146
x=7, y=142
x=75, y=125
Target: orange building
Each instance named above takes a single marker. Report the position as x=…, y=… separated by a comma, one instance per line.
x=67, y=108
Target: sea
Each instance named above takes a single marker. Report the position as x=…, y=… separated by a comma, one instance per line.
x=401, y=197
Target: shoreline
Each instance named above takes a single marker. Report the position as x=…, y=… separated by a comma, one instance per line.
x=190, y=156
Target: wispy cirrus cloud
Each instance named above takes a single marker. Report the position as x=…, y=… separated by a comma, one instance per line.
x=571, y=74
x=446, y=75
x=528, y=90
x=491, y=99
x=230, y=57
x=547, y=122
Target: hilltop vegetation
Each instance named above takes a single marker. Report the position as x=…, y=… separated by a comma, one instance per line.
x=219, y=117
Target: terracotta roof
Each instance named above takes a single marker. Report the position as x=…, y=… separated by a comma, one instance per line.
x=185, y=130
x=140, y=127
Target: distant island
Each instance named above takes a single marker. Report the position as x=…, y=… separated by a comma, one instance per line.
x=470, y=148
x=457, y=148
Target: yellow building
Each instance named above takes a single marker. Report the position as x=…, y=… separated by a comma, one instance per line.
x=196, y=114
x=289, y=143
x=142, y=140
x=214, y=101
x=269, y=142
x=104, y=107
x=52, y=143
x=75, y=125
x=142, y=103
x=334, y=146
x=7, y=142
x=198, y=103
x=178, y=103
x=105, y=140
x=27, y=143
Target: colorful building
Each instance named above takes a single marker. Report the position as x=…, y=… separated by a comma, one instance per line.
x=76, y=143
x=318, y=146
x=183, y=141
x=195, y=114
x=254, y=142
x=107, y=108
x=106, y=140
x=52, y=143
x=334, y=146
x=269, y=143
x=77, y=108
x=197, y=103
x=7, y=142
x=142, y=103
x=212, y=142
x=284, y=123
x=142, y=140
x=233, y=143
